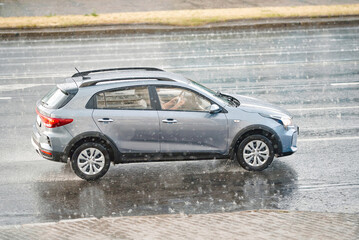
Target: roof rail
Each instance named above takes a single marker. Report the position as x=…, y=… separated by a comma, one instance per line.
x=94, y=82
x=81, y=74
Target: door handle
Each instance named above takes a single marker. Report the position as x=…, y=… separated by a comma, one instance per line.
x=106, y=120
x=169, y=120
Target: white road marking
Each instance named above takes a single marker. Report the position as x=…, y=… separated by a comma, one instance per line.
x=328, y=139
x=39, y=76
x=111, y=60
x=344, y=84
x=178, y=34
x=14, y=87
x=262, y=65
x=186, y=54
x=114, y=44
x=332, y=129
x=323, y=108
x=5, y=98
x=149, y=49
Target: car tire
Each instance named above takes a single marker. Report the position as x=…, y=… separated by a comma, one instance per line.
x=90, y=161
x=255, y=153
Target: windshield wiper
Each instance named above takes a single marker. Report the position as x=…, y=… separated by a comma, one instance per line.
x=234, y=101
x=44, y=103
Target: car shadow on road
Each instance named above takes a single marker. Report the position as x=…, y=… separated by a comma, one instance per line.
x=165, y=188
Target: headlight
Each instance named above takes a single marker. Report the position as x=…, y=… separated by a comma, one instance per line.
x=285, y=121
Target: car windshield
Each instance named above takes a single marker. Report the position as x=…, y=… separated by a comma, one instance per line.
x=224, y=98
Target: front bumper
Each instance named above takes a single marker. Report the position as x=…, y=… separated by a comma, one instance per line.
x=289, y=141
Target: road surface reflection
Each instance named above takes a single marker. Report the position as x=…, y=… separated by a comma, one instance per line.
x=166, y=188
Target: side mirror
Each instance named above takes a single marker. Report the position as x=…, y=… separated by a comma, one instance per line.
x=214, y=109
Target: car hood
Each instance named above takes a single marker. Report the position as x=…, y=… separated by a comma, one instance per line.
x=255, y=105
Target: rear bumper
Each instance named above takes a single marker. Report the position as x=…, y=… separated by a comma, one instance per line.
x=47, y=153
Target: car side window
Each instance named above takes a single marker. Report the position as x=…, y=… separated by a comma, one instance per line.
x=128, y=98
x=173, y=98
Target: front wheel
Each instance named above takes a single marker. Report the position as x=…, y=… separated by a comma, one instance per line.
x=90, y=161
x=255, y=153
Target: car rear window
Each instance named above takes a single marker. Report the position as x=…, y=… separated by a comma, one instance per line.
x=56, y=98
x=128, y=98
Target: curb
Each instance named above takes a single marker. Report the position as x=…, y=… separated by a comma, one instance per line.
x=148, y=28
x=256, y=224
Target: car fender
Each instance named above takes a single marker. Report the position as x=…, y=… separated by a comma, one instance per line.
x=251, y=128
x=76, y=139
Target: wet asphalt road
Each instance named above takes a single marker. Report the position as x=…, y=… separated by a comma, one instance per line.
x=311, y=72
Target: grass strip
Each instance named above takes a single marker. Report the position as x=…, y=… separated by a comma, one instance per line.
x=180, y=17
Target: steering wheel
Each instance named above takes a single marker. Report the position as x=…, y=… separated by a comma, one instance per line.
x=180, y=96
x=198, y=103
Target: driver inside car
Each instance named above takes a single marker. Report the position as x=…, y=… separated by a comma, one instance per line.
x=175, y=103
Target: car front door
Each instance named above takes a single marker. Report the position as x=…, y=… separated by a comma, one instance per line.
x=126, y=116
x=187, y=126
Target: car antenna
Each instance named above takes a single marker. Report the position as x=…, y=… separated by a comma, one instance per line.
x=83, y=77
x=77, y=70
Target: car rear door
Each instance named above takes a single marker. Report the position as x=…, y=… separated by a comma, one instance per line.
x=128, y=118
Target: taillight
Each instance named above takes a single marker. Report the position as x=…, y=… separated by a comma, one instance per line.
x=53, y=122
x=48, y=153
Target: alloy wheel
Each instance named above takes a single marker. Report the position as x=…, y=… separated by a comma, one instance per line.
x=256, y=153
x=91, y=161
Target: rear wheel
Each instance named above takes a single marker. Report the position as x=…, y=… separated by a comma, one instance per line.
x=255, y=153
x=90, y=161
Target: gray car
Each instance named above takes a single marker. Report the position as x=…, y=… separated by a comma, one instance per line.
x=127, y=115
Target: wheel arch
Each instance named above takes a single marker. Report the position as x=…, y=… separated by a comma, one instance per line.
x=256, y=129
x=93, y=137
